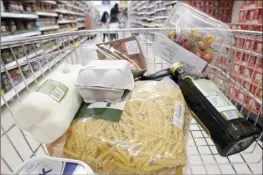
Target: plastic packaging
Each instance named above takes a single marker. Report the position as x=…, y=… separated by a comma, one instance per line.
x=150, y=136
x=104, y=80
x=196, y=40
x=52, y=165
x=124, y=49
x=47, y=112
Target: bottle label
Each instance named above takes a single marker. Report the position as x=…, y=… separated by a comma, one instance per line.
x=54, y=89
x=217, y=99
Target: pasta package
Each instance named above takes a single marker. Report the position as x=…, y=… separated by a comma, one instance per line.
x=149, y=138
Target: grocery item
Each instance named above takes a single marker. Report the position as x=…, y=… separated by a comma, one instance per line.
x=201, y=41
x=53, y=165
x=47, y=112
x=13, y=26
x=104, y=80
x=220, y=119
x=124, y=49
x=149, y=137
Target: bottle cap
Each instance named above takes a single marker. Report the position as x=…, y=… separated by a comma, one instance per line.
x=175, y=66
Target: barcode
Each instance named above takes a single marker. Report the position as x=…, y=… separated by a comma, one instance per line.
x=231, y=114
x=57, y=94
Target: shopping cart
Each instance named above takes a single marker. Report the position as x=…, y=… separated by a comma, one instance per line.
x=78, y=48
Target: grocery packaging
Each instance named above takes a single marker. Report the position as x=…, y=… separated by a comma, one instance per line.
x=124, y=49
x=220, y=119
x=196, y=40
x=149, y=137
x=104, y=80
x=48, y=111
x=53, y=165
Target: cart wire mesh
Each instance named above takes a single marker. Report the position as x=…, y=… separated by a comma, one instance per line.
x=48, y=52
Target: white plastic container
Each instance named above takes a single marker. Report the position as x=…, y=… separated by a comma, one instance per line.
x=53, y=165
x=104, y=80
x=47, y=112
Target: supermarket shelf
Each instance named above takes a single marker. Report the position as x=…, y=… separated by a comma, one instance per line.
x=18, y=15
x=48, y=28
x=242, y=63
x=170, y=3
x=247, y=79
x=12, y=93
x=69, y=12
x=66, y=21
x=80, y=19
x=160, y=17
x=67, y=30
x=47, y=14
x=22, y=35
x=160, y=9
x=22, y=61
x=80, y=26
x=48, y=2
x=150, y=13
x=157, y=2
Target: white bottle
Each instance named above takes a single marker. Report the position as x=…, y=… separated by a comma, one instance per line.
x=47, y=112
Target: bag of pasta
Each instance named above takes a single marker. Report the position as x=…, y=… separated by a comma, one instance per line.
x=149, y=138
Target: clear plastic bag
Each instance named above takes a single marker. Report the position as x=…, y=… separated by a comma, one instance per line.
x=195, y=35
x=148, y=139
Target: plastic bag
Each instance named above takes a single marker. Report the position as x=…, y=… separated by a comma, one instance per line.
x=195, y=35
x=149, y=138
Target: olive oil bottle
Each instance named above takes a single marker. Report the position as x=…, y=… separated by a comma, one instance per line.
x=229, y=130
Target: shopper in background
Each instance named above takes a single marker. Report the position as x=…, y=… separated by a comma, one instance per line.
x=114, y=24
x=104, y=23
x=114, y=11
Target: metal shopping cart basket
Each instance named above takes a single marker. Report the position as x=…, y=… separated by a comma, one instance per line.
x=36, y=57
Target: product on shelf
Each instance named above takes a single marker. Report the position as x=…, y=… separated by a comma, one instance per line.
x=222, y=10
x=15, y=76
x=45, y=7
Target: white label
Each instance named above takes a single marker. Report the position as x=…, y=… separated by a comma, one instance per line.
x=120, y=105
x=217, y=99
x=57, y=93
x=132, y=47
x=172, y=52
x=179, y=111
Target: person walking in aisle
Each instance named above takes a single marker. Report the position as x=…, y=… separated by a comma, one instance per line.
x=114, y=11
x=114, y=24
x=104, y=23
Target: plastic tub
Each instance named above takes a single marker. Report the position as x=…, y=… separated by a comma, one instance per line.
x=53, y=165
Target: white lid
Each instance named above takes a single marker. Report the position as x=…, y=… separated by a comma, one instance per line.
x=53, y=165
x=114, y=74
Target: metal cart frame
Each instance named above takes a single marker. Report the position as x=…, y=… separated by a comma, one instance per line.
x=67, y=50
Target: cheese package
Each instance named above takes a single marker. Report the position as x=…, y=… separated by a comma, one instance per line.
x=124, y=49
x=149, y=137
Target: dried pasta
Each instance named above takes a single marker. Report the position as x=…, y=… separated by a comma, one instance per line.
x=144, y=141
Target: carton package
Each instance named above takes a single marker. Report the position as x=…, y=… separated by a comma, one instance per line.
x=104, y=80
x=124, y=49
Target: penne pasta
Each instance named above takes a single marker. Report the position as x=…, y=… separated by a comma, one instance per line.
x=144, y=141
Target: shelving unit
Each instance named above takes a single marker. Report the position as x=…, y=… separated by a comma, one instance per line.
x=149, y=13
x=58, y=15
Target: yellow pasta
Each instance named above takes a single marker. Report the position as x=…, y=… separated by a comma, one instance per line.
x=144, y=141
